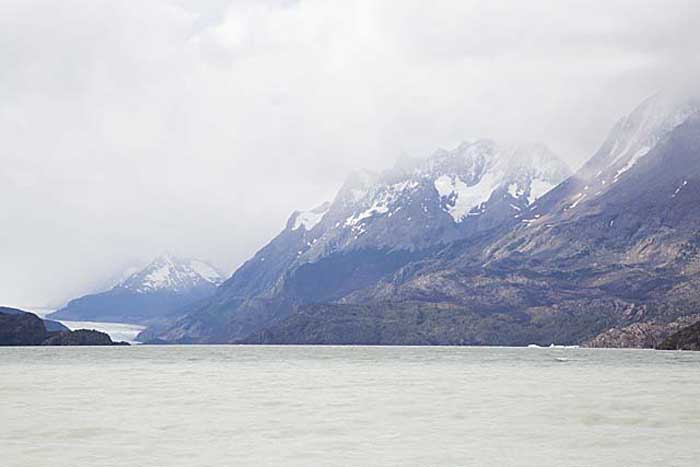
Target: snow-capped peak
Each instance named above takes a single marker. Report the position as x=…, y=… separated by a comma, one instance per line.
x=167, y=273
x=467, y=177
x=422, y=202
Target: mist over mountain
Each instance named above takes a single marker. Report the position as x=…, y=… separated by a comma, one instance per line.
x=197, y=127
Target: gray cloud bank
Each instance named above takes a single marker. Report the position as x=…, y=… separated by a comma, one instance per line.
x=196, y=127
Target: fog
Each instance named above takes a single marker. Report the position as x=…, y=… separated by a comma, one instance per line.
x=196, y=127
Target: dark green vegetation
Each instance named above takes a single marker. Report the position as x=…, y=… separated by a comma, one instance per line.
x=81, y=337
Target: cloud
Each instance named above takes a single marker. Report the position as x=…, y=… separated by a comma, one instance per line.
x=131, y=128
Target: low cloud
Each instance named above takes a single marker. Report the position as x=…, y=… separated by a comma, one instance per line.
x=196, y=127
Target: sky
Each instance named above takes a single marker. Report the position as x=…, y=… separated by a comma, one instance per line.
x=196, y=127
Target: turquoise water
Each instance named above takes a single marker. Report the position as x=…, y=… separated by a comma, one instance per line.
x=347, y=406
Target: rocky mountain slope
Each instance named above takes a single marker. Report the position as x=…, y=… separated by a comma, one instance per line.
x=157, y=291
x=377, y=224
x=606, y=248
x=648, y=334
x=465, y=247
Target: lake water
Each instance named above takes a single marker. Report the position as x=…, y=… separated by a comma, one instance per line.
x=347, y=406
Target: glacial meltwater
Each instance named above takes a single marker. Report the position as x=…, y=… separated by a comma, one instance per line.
x=208, y=406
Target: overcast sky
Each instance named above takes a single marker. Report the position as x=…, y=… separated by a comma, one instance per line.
x=197, y=126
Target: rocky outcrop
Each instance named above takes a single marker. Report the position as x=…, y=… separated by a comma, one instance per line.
x=51, y=325
x=21, y=329
x=686, y=339
x=645, y=335
x=81, y=337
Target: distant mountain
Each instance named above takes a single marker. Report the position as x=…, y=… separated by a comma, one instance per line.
x=157, y=291
x=376, y=225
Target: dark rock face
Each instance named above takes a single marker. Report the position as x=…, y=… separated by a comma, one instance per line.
x=54, y=326
x=81, y=337
x=644, y=335
x=21, y=329
x=685, y=339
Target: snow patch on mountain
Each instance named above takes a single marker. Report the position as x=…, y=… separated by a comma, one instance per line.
x=464, y=200
x=378, y=207
x=539, y=188
x=382, y=202
x=680, y=187
x=205, y=270
x=524, y=172
x=422, y=202
x=310, y=219
x=515, y=190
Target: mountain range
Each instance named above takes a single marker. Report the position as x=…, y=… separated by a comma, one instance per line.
x=484, y=244
x=378, y=225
